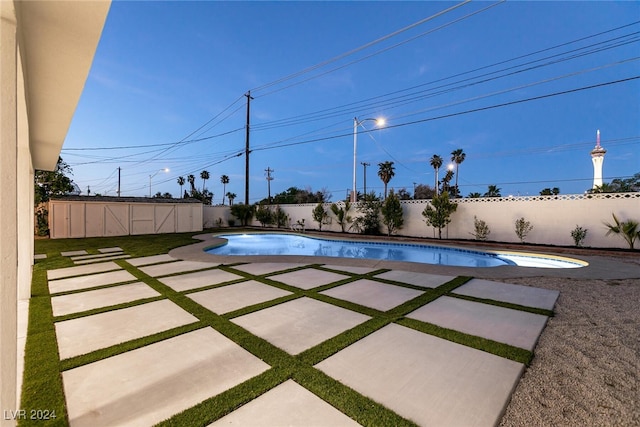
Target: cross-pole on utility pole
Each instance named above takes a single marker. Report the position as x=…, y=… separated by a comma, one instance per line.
x=247, y=151
x=268, y=170
x=365, y=164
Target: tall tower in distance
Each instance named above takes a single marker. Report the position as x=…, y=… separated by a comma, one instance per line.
x=597, y=157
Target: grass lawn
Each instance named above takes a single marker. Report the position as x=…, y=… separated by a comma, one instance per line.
x=43, y=388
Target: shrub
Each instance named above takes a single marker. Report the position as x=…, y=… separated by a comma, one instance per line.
x=438, y=213
x=320, y=215
x=369, y=222
x=244, y=213
x=629, y=230
x=579, y=234
x=481, y=229
x=264, y=215
x=523, y=228
x=392, y=213
x=341, y=214
x=280, y=217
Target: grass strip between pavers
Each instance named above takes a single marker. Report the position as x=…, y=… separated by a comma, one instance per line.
x=43, y=383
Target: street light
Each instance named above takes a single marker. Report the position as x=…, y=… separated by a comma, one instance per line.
x=151, y=176
x=356, y=123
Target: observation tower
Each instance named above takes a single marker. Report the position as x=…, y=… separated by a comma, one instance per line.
x=597, y=157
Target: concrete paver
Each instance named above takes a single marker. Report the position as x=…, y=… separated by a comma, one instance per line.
x=153, y=259
x=418, y=279
x=152, y=383
x=513, y=327
x=175, y=267
x=74, y=253
x=60, y=273
x=260, y=268
x=515, y=294
x=89, y=300
x=87, y=334
x=308, y=278
x=297, y=325
x=108, y=250
x=92, y=280
x=40, y=256
x=429, y=380
x=198, y=279
x=370, y=293
x=233, y=297
x=107, y=257
x=288, y=404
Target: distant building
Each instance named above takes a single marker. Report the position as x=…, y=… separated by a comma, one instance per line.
x=597, y=157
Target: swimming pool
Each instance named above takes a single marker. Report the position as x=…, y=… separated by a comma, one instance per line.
x=293, y=244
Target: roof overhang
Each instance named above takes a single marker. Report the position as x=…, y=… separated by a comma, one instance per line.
x=57, y=41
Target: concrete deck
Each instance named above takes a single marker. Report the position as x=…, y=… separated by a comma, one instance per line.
x=421, y=377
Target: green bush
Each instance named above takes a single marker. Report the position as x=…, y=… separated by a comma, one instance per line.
x=244, y=213
x=579, y=234
x=481, y=229
x=523, y=228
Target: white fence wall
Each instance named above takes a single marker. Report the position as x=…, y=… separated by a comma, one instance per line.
x=553, y=217
x=83, y=218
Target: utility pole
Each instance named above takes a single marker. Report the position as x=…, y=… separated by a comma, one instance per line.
x=247, y=151
x=268, y=170
x=365, y=164
x=118, y=181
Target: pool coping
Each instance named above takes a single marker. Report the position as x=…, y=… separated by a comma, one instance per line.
x=600, y=267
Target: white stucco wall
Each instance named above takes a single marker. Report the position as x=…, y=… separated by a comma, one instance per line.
x=553, y=217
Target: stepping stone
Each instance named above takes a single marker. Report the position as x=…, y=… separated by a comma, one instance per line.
x=308, y=278
x=297, y=325
x=370, y=293
x=418, y=279
x=152, y=383
x=429, y=380
x=93, y=256
x=96, y=260
x=86, y=334
x=90, y=281
x=89, y=300
x=108, y=250
x=513, y=327
x=198, y=279
x=260, y=268
x=77, y=271
x=288, y=404
x=515, y=294
x=351, y=269
x=74, y=253
x=147, y=260
x=233, y=297
x=175, y=267
x=40, y=256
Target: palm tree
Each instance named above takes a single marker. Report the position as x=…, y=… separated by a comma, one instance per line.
x=436, y=163
x=231, y=197
x=224, y=179
x=457, y=157
x=492, y=191
x=386, y=171
x=181, y=182
x=191, y=179
x=629, y=230
x=205, y=176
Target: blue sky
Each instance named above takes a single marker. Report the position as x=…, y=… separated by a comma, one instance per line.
x=167, y=86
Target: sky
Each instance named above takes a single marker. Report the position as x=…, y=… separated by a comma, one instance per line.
x=520, y=87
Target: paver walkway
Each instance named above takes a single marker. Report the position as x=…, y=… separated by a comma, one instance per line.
x=142, y=340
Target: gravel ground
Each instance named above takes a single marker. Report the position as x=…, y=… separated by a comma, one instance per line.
x=586, y=370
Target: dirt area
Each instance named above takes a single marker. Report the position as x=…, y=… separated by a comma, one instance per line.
x=586, y=369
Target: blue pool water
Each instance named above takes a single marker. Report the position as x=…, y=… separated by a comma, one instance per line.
x=289, y=244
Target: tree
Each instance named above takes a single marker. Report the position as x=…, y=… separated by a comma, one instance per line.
x=619, y=185
x=492, y=191
x=224, y=180
x=438, y=213
x=264, y=215
x=243, y=212
x=436, y=163
x=423, y=191
x=369, y=221
x=474, y=195
x=629, y=230
x=446, y=186
x=192, y=182
x=480, y=228
x=320, y=215
x=231, y=197
x=403, y=194
x=342, y=216
x=457, y=157
x=205, y=176
x=54, y=183
x=181, y=183
x=550, y=191
x=295, y=195
x=523, y=228
x=386, y=171
x=392, y=213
